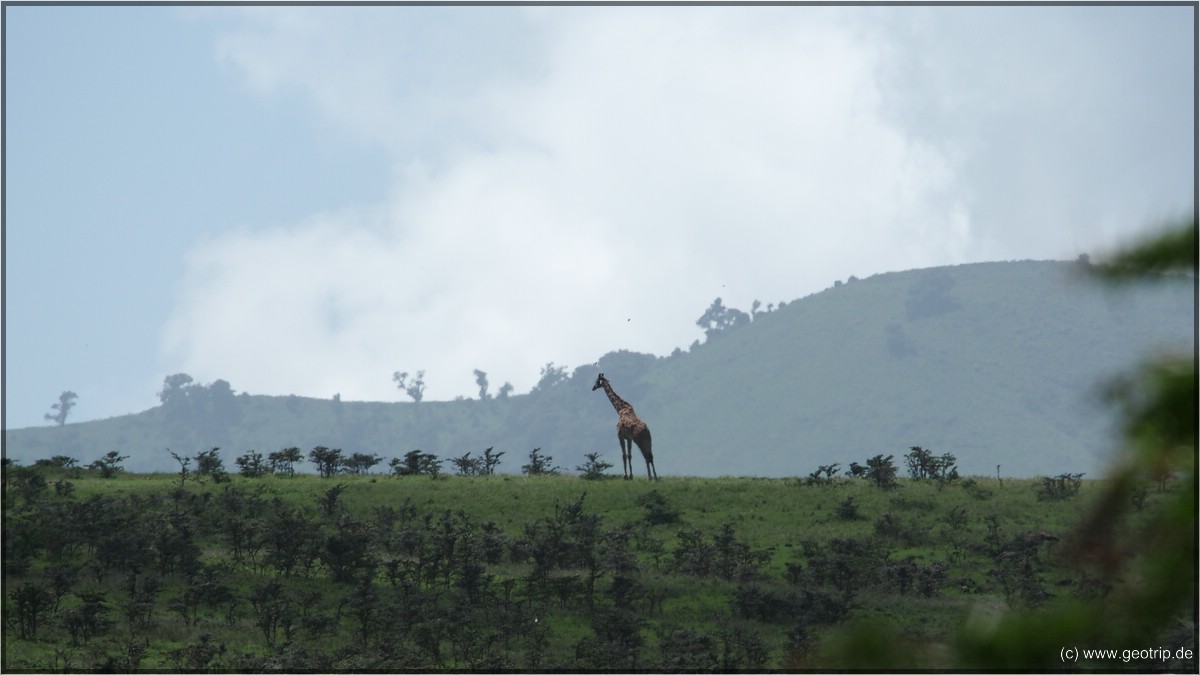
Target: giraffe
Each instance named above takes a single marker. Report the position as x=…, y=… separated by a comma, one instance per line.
x=630, y=429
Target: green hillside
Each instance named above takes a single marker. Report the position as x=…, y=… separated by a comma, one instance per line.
x=996, y=363
x=200, y=573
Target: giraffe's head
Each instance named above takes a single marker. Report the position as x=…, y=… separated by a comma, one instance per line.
x=600, y=382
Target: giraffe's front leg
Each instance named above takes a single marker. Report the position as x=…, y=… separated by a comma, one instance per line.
x=626, y=457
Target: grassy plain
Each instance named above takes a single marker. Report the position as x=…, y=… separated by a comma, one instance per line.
x=722, y=573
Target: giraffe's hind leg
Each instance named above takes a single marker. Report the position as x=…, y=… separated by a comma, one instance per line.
x=644, y=446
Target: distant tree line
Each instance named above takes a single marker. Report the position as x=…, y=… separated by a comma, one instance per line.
x=881, y=471
x=330, y=462
x=719, y=319
x=187, y=402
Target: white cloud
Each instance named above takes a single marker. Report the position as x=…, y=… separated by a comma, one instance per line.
x=654, y=160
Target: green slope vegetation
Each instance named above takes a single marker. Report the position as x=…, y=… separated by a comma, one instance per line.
x=997, y=363
x=166, y=572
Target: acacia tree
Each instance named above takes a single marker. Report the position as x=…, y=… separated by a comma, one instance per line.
x=922, y=464
x=251, y=464
x=361, y=462
x=208, y=463
x=416, y=463
x=467, y=465
x=476, y=466
x=490, y=461
x=482, y=381
x=881, y=471
x=328, y=461
x=183, y=466
x=110, y=464
x=66, y=401
x=284, y=461
x=415, y=388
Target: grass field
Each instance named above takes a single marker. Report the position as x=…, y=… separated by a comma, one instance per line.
x=148, y=571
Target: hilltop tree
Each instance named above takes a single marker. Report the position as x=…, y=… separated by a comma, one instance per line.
x=58, y=461
x=414, y=388
x=328, y=461
x=174, y=388
x=284, y=461
x=476, y=466
x=360, y=462
x=66, y=401
x=482, y=381
x=491, y=461
x=466, y=465
x=251, y=464
x=220, y=402
x=881, y=471
x=922, y=464
x=505, y=390
x=550, y=376
x=184, y=399
x=718, y=319
x=416, y=463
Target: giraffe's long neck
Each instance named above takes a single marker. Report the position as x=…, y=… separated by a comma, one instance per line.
x=618, y=403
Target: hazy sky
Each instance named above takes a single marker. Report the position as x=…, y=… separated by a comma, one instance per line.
x=307, y=199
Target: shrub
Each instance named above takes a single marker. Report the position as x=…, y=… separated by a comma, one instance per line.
x=976, y=490
x=208, y=463
x=922, y=464
x=594, y=468
x=881, y=471
x=845, y=564
x=823, y=475
x=658, y=509
x=110, y=464
x=889, y=526
x=848, y=510
x=685, y=650
x=725, y=557
x=467, y=465
x=539, y=465
x=809, y=607
x=1061, y=486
